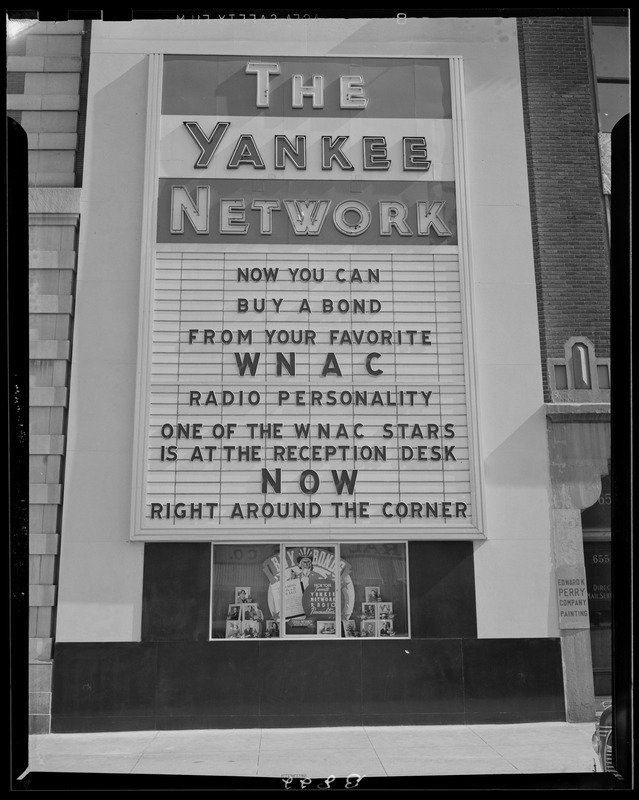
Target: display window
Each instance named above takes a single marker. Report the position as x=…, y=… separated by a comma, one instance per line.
x=320, y=591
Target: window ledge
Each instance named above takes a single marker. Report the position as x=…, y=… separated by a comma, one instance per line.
x=578, y=412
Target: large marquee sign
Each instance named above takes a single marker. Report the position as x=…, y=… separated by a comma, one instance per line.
x=305, y=348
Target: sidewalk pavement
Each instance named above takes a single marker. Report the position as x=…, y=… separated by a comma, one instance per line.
x=315, y=754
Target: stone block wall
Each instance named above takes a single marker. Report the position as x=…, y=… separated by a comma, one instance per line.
x=45, y=64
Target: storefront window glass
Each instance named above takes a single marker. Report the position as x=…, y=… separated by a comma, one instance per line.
x=380, y=582
x=240, y=599
x=325, y=591
x=596, y=523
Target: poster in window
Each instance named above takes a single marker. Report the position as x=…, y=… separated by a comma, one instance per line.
x=306, y=585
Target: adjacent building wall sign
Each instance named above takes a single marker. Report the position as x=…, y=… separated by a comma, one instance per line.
x=572, y=598
x=305, y=358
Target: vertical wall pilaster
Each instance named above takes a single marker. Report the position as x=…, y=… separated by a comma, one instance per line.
x=579, y=456
x=44, y=65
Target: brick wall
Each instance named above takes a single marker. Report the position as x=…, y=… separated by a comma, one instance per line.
x=570, y=236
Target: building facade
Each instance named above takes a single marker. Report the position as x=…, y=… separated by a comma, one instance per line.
x=319, y=370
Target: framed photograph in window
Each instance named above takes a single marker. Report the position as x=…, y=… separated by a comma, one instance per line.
x=251, y=629
x=372, y=594
x=242, y=594
x=326, y=628
x=249, y=612
x=233, y=629
x=369, y=610
x=385, y=610
x=369, y=628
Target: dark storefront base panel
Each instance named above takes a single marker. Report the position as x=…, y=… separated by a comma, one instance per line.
x=195, y=685
x=175, y=678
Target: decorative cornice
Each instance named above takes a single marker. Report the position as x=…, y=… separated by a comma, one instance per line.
x=54, y=218
x=578, y=412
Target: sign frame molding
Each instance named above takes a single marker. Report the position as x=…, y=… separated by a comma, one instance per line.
x=142, y=529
